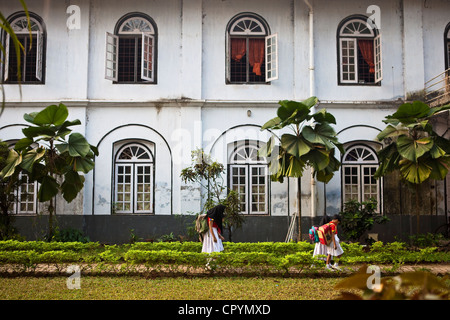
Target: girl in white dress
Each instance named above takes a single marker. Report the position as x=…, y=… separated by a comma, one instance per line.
x=334, y=247
x=212, y=239
x=320, y=249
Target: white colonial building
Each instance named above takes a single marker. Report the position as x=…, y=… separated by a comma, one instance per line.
x=153, y=80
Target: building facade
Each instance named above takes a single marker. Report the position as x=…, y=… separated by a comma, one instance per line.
x=153, y=80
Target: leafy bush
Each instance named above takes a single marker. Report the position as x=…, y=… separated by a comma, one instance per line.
x=358, y=218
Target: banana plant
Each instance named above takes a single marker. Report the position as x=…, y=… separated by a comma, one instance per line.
x=311, y=142
x=53, y=155
x=412, y=147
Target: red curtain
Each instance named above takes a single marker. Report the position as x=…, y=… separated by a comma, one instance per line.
x=256, y=54
x=366, y=48
x=238, y=49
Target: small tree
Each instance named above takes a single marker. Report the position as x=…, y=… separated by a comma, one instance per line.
x=209, y=174
x=311, y=144
x=412, y=147
x=358, y=218
x=57, y=161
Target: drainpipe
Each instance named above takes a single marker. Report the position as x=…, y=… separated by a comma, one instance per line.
x=312, y=93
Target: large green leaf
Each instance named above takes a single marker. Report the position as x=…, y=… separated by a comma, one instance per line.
x=390, y=131
x=23, y=143
x=439, y=167
x=83, y=164
x=415, y=172
x=324, y=116
x=272, y=124
x=29, y=117
x=318, y=159
x=310, y=102
x=53, y=114
x=63, y=130
x=48, y=189
x=327, y=173
x=13, y=160
x=30, y=157
x=72, y=185
x=295, y=145
x=389, y=160
x=321, y=134
x=266, y=150
x=292, y=112
x=294, y=167
x=409, y=111
x=76, y=146
x=413, y=149
x=32, y=132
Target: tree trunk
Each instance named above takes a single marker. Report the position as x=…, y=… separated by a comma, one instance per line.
x=299, y=208
x=51, y=209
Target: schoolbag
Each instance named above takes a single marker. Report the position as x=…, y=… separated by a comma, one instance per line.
x=201, y=224
x=313, y=236
x=324, y=233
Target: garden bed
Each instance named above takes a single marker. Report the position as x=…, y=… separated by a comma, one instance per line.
x=186, y=258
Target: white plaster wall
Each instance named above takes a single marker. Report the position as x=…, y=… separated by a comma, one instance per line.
x=217, y=14
x=66, y=53
x=327, y=19
x=167, y=17
x=435, y=19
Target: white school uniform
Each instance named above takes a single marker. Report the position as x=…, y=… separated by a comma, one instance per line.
x=331, y=250
x=208, y=242
x=320, y=249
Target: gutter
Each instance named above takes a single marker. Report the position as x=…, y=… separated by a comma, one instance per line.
x=312, y=93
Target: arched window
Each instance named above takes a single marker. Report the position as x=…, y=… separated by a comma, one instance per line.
x=359, y=51
x=247, y=176
x=32, y=59
x=252, y=53
x=359, y=165
x=131, y=50
x=133, y=179
x=25, y=195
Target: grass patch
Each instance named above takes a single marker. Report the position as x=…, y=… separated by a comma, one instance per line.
x=139, y=288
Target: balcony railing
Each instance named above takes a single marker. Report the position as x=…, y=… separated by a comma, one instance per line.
x=437, y=90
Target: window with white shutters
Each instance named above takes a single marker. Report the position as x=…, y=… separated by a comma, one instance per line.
x=29, y=68
x=248, y=177
x=359, y=165
x=131, y=50
x=134, y=179
x=359, y=49
x=251, y=51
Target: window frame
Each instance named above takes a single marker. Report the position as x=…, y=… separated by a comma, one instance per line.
x=39, y=42
x=360, y=165
x=342, y=36
x=248, y=165
x=133, y=164
x=16, y=210
x=270, y=40
x=148, y=37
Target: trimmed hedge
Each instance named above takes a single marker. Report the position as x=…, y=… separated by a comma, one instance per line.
x=173, y=256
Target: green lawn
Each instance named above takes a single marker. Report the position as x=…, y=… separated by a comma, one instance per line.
x=140, y=288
